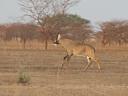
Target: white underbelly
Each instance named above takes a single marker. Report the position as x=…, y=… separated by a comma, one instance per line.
x=82, y=55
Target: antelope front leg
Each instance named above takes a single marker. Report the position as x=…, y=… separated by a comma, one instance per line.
x=65, y=58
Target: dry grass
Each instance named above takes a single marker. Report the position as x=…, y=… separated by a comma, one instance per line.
x=29, y=45
x=48, y=80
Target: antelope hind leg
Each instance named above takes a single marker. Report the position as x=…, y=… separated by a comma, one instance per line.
x=65, y=58
x=89, y=63
x=98, y=63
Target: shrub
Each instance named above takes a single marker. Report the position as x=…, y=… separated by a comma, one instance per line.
x=24, y=78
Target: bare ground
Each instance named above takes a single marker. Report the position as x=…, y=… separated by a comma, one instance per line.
x=48, y=80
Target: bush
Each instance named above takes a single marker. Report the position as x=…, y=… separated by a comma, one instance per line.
x=24, y=78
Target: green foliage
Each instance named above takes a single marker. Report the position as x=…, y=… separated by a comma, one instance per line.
x=66, y=20
x=76, y=18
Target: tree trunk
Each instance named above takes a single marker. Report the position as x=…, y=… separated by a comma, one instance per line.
x=46, y=44
x=24, y=42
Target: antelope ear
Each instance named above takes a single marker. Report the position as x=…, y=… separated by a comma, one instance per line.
x=59, y=36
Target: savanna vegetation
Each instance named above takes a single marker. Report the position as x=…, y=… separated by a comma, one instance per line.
x=50, y=17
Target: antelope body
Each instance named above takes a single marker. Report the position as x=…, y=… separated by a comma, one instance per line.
x=77, y=49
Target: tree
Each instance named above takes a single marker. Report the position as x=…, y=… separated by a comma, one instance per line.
x=24, y=32
x=2, y=31
x=76, y=27
x=27, y=32
x=39, y=10
x=114, y=32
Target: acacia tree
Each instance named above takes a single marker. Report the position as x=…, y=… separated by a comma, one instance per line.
x=27, y=32
x=38, y=10
x=2, y=31
x=114, y=31
x=17, y=31
x=73, y=25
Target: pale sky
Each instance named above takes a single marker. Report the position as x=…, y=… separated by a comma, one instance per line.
x=94, y=10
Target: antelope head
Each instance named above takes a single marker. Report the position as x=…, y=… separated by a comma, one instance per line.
x=57, y=39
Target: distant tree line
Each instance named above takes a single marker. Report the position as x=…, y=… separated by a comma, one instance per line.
x=75, y=27
x=114, y=32
x=19, y=32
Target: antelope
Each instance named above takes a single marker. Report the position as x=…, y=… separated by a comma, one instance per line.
x=77, y=49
